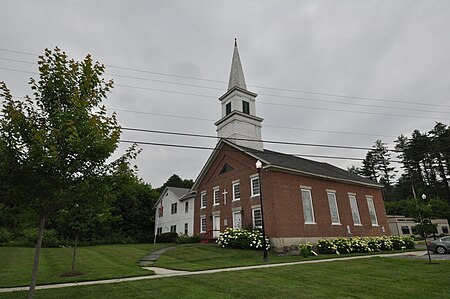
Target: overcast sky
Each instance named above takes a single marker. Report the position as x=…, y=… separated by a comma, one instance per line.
x=299, y=56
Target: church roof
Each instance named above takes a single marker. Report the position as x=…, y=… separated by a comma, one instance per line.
x=236, y=73
x=293, y=164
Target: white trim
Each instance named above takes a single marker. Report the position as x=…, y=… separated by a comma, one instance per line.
x=305, y=187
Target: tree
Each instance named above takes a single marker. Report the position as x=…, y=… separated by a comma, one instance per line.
x=56, y=137
x=176, y=181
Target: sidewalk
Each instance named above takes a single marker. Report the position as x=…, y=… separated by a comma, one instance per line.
x=162, y=273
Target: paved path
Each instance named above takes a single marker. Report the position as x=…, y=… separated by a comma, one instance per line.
x=154, y=256
x=161, y=273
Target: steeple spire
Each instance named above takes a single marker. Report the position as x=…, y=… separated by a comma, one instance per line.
x=236, y=73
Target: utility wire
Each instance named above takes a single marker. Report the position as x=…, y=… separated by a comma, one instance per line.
x=423, y=103
x=214, y=149
x=315, y=100
x=247, y=139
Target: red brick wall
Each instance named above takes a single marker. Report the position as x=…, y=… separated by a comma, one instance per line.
x=283, y=210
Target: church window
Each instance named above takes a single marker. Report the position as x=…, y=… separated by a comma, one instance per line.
x=203, y=224
x=173, y=228
x=333, y=208
x=355, y=210
x=308, y=209
x=216, y=196
x=203, y=200
x=255, y=186
x=186, y=230
x=257, y=218
x=372, y=212
x=245, y=107
x=228, y=108
x=236, y=191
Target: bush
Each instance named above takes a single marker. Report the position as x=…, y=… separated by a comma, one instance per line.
x=5, y=235
x=306, y=249
x=51, y=238
x=242, y=239
x=365, y=244
x=185, y=239
x=166, y=238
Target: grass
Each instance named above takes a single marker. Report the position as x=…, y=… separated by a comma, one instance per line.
x=196, y=257
x=366, y=278
x=97, y=262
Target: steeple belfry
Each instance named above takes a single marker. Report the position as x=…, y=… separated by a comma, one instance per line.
x=236, y=74
x=239, y=123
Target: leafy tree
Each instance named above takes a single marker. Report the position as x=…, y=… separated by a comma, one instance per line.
x=176, y=181
x=59, y=135
x=133, y=206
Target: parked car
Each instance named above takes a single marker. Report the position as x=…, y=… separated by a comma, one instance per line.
x=440, y=245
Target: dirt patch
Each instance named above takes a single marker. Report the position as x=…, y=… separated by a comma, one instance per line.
x=71, y=274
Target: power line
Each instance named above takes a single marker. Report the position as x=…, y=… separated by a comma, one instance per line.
x=247, y=139
x=265, y=103
x=214, y=149
x=423, y=103
x=269, y=126
x=315, y=100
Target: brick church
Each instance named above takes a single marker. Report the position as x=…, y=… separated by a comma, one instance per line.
x=303, y=200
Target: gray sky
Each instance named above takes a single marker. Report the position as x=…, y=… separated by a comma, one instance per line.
x=395, y=51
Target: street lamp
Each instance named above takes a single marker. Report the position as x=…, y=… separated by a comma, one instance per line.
x=424, y=197
x=258, y=165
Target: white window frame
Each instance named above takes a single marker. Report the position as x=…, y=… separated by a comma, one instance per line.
x=186, y=228
x=354, y=209
x=307, y=190
x=372, y=211
x=216, y=196
x=236, y=184
x=252, y=179
x=186, y=206
x=202, y=219
x=234, y=222
x=203, y=200
x=332, y=204
x=253, y=217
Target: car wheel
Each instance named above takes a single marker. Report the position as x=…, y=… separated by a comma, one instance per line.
x=440, y=250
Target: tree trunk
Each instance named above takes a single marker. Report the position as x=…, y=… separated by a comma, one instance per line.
x=37, y=253
x=74, y=252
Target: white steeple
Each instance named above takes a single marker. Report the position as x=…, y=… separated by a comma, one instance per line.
x=239, y=123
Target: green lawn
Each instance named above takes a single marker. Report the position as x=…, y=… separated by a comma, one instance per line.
x=97, y=262
x=195, y=257
x=366, y=278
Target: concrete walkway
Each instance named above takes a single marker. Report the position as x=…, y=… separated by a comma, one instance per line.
x=162, y=273
x=153, y=256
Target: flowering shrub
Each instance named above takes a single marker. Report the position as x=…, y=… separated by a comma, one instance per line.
x=364, y=244
x=306, y=249
x=241, y=238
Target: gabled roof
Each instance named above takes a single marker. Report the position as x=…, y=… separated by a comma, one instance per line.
x=179, y=192
x=293, y=164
